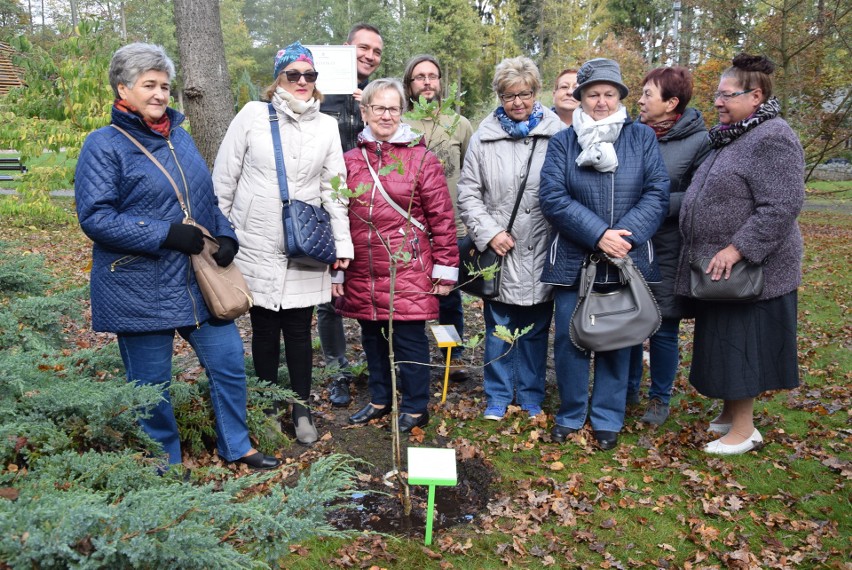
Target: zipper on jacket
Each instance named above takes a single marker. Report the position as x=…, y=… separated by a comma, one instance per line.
x=611, y=215
x=122, y=261
x=188, y=213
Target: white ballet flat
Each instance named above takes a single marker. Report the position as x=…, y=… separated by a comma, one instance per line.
x=719, y=448
x=719, y=428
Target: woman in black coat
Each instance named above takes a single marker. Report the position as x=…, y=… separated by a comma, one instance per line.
x=680, y=130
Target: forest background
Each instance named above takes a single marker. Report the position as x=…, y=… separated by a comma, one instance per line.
x=64, y=46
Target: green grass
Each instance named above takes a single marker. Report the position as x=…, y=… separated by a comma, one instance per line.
x=829, y=190
x=658, y=500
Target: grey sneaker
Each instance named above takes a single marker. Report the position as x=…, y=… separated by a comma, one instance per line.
x=306, y=433
x=657, y=413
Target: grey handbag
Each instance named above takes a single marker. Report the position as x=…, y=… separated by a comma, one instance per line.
x=614, y=319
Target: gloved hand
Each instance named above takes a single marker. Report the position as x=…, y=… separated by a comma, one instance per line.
x=227, y=250
x=185, y=239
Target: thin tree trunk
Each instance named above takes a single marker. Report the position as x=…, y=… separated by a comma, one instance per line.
x=206, y=82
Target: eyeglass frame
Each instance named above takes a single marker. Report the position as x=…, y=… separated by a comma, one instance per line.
x=424, y=76
x=523, y=96
x=384, y=110
x=302, y=74
x=729, y=96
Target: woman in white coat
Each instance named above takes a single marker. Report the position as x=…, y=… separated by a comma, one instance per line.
x=246, y=182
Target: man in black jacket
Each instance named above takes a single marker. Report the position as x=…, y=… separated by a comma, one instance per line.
x=345, y=108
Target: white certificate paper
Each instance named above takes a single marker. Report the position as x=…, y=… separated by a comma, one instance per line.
x=338, y=71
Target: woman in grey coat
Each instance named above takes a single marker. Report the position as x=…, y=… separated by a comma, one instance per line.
x=494, y=167
x=680, y=130
x=742, y=205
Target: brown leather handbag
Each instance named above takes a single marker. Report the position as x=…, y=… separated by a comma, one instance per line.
x=224, y=289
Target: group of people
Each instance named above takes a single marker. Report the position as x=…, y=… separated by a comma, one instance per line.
x=582, y=178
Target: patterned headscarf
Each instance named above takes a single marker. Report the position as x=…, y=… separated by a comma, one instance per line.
x=293, y=52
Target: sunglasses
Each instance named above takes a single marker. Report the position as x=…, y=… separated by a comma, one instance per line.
x=293, y=76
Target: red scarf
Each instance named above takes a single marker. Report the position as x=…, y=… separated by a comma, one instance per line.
x=163, y=126
x=663, y=127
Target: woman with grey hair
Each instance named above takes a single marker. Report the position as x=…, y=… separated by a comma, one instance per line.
x=504, y=159
x=143, y=287
x=405, y=215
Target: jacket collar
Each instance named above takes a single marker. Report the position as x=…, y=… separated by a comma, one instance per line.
x=130, y=121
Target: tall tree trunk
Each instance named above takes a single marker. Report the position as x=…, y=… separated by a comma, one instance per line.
x=206, y=82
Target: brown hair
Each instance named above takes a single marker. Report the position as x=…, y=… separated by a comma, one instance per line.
x=672, y=82
x=752, y=72
x=561, y=73
x=409, y=70
x=362, y=26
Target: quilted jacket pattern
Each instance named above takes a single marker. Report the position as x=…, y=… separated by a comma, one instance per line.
x=246, y=183
x=126, y=206
x=582, y=203
x=372, y=219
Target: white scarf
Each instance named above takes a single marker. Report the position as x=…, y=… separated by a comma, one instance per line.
x=596, y=138
x=282, y=99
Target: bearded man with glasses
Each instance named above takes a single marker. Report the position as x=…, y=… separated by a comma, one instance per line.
x=422, y=78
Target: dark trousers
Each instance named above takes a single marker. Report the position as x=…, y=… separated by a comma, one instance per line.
x=409, y=344
x=295, y=326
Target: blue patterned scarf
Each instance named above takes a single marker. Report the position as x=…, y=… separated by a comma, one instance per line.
x=520, y=129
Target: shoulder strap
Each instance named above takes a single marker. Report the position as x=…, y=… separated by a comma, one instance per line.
x=279, y=157
x=158, y=164
x=414, y=222
x=521, y=188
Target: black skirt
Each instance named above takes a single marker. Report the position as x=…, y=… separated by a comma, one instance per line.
x=744, y=349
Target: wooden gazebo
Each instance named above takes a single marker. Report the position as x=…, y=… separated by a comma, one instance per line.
x=10, y=75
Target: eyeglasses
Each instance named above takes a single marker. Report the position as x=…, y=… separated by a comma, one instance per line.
x=293, y=76
x=421, y=78
x=380, y=110
x=729, y=96
x=509, y=97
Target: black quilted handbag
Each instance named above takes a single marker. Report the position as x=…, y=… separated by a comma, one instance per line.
x=308, y=238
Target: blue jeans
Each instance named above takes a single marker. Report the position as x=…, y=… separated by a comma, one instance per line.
x=148, y=360
x=332, y=336
x=520, y=375
x=609, y=392
x=664, y=362
x=409, y=344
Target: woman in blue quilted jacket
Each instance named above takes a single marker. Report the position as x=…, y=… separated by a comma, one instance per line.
x=143, y=287
x=605, y=189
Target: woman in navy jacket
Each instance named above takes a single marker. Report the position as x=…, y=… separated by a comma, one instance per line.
x=142, y=284
x=604, y=188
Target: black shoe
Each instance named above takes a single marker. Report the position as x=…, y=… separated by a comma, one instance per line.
x=606, y=439
x=367, y=413
x=259, y=461
x=560, y=433
x=338, y=392
x=458, y=373
x=407, y=421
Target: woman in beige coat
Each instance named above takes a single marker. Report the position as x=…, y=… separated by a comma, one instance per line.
x=246, y=183
x=514, y=136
